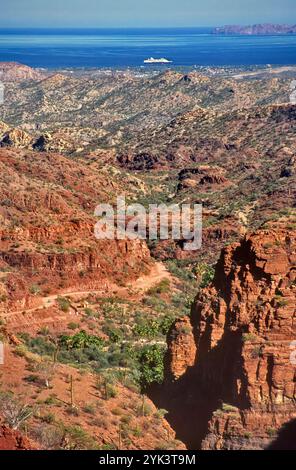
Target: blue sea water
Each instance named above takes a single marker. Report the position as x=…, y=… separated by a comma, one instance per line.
x=129, y=47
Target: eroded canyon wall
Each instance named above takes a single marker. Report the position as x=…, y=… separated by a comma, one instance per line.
x=230, y=364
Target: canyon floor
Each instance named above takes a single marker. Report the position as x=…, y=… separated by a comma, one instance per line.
x=134, y=344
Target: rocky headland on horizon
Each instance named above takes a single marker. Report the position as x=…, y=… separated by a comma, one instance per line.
x=256, y=29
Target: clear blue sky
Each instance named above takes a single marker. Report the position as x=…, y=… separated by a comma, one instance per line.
x=141, y=13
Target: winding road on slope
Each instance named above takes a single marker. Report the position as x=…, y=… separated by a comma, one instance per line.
x=157, y=274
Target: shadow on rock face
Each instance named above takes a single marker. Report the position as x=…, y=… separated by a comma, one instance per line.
x=286, y=439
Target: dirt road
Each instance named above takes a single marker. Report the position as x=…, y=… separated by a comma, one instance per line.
x=157, y=274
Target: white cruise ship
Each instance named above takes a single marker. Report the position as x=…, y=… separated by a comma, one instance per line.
x=151, y=60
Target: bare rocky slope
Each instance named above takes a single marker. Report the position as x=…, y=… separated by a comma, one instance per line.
x=15, y=72
x=47, y=229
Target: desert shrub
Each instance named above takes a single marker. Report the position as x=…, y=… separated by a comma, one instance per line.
x=92, y=356
x=147, y=329
x=112, y=307
x=89, y=408
x=13, y=411
x=151, y=365
x=256, y=352
x=89, y=312
x=180, y=270
x=108, y=446
x=110, y=391
x=100, y=422
x=144, y=409
x=131, y=380
x=281, y=302
x=115, y=359
x=165, y=324
x=73, y=411
x=50, y=437
x=64, y=304
x=48, y=418
x=80, y=340
x=246, y=337
x=44, y=331
x=163, y=445
x=39, y=345
x=271, y=432
x=159, y=414
x=115, y=334
x=80, y=348
x=78, y=439
x=52, y=400
x=126, y=419
x=158, y=304
x=229, y=408
x=161, y=288
x=137, y=431
x=167, y=445
x=46, y=370
x=34, y=289
x=186, y=329
x=153, y=327
x=207, y=275
x=33, y=378
x=106, y=385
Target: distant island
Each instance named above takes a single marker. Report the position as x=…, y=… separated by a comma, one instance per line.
x=256, y=29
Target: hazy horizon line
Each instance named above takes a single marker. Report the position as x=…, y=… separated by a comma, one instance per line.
x=141, y=27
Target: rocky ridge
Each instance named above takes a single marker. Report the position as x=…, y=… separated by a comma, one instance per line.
x=257, y=29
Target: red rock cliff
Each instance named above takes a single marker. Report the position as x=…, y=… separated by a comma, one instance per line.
x=233, y=357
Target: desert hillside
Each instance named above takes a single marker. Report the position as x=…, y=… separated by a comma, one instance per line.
x=140, y=344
